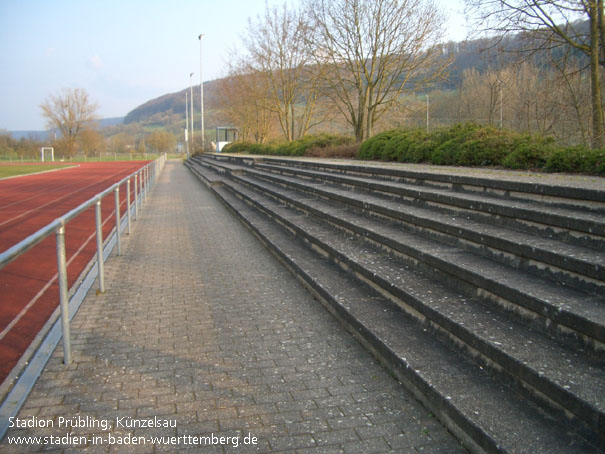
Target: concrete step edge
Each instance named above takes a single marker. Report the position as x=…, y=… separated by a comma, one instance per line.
x=476, y=436
x=537, y=306
x=531, y=378
x=595, y=274
x=540, y=189
x=493, y=207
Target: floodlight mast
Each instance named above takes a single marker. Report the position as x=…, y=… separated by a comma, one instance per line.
x=191, y=99
x=201, y=90
x=186, y=122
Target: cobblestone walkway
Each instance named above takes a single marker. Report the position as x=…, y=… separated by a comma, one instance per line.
x=203, y=331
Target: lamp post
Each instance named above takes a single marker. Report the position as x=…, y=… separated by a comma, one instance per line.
x=501, y=104
x=427, y=114
x=191, y=102
x=201, y=91
x=186, y=123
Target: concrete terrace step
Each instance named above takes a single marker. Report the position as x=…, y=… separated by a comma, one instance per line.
x=564, y=308
x=391, y=277
x=558, y=309
x=586, y=195
x=577, y=266
x=484, y=413
x=574, y=221
x=581, y=224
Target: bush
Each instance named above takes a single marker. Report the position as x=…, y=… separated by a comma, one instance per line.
x=529, y=153
x=469, y=144
x=294, y=148
x=373, y=148
x=576, y=159
x=418, y=149
x=349, y=151
x=465, y=144
x=247, y=147
x=236, y=147
x=393, y=149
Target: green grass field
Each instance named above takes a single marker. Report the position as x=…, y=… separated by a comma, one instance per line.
x=24, y=169
x=105, y=157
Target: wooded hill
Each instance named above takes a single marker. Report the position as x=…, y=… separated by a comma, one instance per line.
x=478, y=54
x=173, y=103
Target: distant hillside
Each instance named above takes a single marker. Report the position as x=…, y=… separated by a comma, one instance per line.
x=467, y=54
x=43, y=135
x=105, y=122
x=172, y=103
x=35, y=135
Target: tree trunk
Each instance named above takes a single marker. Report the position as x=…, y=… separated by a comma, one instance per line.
x=595, y=84
x=292, y=123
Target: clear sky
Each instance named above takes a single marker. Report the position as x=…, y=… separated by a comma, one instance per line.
x=123, y=52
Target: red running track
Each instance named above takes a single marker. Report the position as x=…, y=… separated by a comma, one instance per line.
x=28, y=286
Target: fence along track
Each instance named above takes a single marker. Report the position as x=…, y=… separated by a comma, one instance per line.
x=143, y=179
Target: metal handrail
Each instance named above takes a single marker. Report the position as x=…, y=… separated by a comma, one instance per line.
x=146, y=177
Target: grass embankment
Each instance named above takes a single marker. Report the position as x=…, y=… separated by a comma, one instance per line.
x=13, y=170
x=465, y=144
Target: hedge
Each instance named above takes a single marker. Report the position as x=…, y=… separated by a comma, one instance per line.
x=469, y=144
x=464, y=144
x=295, y=148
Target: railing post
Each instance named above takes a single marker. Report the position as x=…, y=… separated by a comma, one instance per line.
x=128, y=203
x=136, y=197
x=146, y=183
x=142, y=186
x=141, y=193
x=100, y=263
x=63, y=297
x=118, y=234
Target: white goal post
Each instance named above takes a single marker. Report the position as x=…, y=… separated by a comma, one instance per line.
x=52, y=153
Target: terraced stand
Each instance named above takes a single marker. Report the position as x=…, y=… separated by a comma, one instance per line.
x=484, y=297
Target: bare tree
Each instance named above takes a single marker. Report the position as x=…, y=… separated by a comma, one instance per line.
x=277, y=47
x=91, y=142
x=70, y=111
x=370, y=50
x=480, y=94
x=120, y=143
x=575, y=99
x=161, y=141
x=536, y=98
x=552, y=24
x=245, y=104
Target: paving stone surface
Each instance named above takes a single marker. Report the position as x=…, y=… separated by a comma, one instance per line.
x=203, y=331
